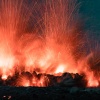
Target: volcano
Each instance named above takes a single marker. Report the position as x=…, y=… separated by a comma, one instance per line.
x=45, y=37
x=44, y=46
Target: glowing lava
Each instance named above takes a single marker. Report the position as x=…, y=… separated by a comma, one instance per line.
x=49, y=41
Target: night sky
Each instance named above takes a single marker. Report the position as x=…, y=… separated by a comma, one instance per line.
x=91, y=12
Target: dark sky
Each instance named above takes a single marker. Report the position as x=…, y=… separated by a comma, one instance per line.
x=91, y=10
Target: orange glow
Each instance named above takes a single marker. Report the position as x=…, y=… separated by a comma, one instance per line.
x=4, y=77
x=93, y=83
x=50, y=42
x=42, y=82
x=60, y=69
x=23, y=82
x=26, y=83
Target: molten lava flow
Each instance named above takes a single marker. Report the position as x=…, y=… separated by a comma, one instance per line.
x=50, y=42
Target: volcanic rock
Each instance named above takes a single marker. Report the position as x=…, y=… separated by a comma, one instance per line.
x=65, y=80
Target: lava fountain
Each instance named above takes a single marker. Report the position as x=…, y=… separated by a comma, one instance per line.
x=42, y=39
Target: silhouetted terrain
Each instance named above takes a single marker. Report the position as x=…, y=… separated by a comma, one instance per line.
x=49, y=93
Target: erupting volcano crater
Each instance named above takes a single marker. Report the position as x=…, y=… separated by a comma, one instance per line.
x=44, y=43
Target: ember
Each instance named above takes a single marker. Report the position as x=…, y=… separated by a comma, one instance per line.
x=42, y=43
